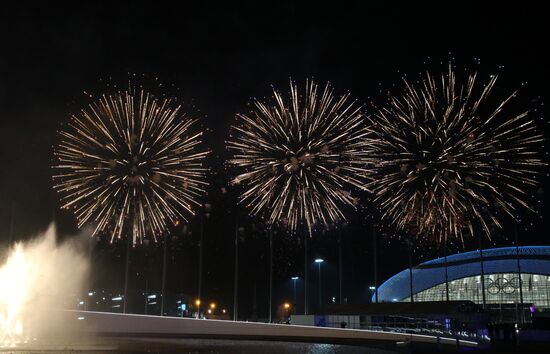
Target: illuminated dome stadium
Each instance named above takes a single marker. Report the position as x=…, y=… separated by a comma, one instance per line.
x=502, y=283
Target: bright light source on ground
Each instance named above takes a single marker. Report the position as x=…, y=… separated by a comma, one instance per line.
x=33, y=279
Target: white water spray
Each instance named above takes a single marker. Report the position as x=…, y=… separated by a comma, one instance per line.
x=37, y=279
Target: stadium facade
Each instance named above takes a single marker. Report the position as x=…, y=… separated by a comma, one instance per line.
x=502, y=268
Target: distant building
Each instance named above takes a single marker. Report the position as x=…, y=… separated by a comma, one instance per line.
x=502, y=285
x=461, y=318
x=139, y=302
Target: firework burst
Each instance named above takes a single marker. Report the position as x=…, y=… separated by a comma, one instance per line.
x=451, y=158
x=298, y=157
x=130, y=162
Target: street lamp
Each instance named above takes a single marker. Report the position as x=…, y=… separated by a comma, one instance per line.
x=372, y=288
x=319, y=261
x=212, y=307
x=198, y=304
x=287, y=308
x=294, y=280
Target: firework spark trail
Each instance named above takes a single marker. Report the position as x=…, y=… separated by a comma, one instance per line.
x=298, y=157
x=130, y=162
x=448, y=161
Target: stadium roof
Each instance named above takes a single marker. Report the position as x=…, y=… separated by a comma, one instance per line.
x=533, y=260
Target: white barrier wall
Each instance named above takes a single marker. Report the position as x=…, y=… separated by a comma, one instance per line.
x=121, y=325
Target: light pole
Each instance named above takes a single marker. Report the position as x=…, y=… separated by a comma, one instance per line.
x=306, y=265
x=165, y=241
x=287, y=308
x=375, y=261
x=319, y=261
x=146, y=295
x=340, y=266
x=446, y=271
x=12, y=222
x=238, y=231
x=294, y=280
x=204, y=216
x=126, y=273
x=482, y=270
x=521, y=315
x=372, y=288
x=270, y=272
x=198, y=304
x=410, y=271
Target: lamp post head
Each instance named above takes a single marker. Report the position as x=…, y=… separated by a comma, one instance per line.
x=372, y=287
x=319, y=260
x=294, y=278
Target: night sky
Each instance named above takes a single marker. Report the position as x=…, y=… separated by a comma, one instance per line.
x=220, y=56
